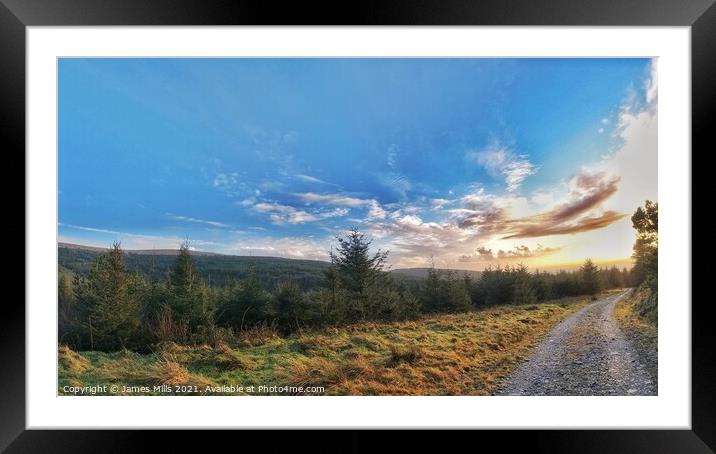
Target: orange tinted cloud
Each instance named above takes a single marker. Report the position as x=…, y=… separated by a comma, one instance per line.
x=582, y=225
x=580, y=213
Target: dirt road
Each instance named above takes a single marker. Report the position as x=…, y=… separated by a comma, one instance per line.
x=586, y=354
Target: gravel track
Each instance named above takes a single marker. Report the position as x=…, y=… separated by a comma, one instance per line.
x=586, y=354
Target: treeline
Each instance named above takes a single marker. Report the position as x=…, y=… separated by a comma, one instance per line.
x=112, y=308
x=646, y=259
x=217, y=270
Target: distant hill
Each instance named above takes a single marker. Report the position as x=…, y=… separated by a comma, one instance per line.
x=173, y=252
x=422, y=273
x=220, y=269
x=216, y=269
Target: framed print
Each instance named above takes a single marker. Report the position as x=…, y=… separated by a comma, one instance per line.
x=416, y=217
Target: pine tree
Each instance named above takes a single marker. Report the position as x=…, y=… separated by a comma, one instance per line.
x=67, y=310
x=108, y=303
x=646, y=248
x=589, y=274
x=523, y=292
x=189, y=300
x=432, y=298
x=289, y=302
x=247, y=305
x=355, y=266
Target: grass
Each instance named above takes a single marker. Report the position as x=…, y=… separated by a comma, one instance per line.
x=640, y=327
x=459, y=354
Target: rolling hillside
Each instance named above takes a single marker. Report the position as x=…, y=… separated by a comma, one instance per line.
x=218, y=269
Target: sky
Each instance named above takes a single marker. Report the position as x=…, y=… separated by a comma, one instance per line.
x=464, y=163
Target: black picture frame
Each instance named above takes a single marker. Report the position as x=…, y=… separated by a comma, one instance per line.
x=700, y=15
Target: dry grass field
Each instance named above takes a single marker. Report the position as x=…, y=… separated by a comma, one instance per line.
x=461, y=354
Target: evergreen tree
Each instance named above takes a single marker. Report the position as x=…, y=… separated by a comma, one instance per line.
x=445, y=292
x=189, y=300
x=356, y=267
x=589, y=275
x=289, y=304
x=432, y=291
x=615, y=278
x=67, y=310
x=523, y=292
x=646, y=248
x=408, y=306
x=248, y=304
x=645, y=273
x=332, y=283
x=458, y=297
x=108, y=304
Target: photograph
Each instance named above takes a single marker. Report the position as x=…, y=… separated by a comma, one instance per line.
x=355, y=226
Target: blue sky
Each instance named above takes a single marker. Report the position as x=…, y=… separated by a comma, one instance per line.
x=449, y=158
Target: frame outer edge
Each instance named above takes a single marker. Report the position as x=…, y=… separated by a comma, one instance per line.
x=703, y=102
x=12, y=117
x=12, y=122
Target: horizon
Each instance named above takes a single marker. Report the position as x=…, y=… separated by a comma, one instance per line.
x=621, y=264
x=474, y=162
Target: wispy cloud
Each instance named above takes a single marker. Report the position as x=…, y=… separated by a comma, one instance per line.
x=439, y=203
x=290, y=247
x=138, y=240
x=332, y=199
x=286, y=214
x=198, y=221
x=232, y=185
x=392, y=156
x=499, y=160
x=584, y=224
x=225, y=180
x=376, y=212
x=481, y=217
x=397, y=183
x=588, y=191
x=312, y=179
x=483, y=254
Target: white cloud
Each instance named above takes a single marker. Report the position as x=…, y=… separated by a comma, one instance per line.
x=501, y=161
x=651, y=86
x=332, y=199
x=376, y=212
x=516, y=254
x=634, y=158
x=285, y=214
x=289, y=247
x=439, y=203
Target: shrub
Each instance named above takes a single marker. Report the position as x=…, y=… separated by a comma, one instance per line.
x=290, y=305
x=247, y=305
